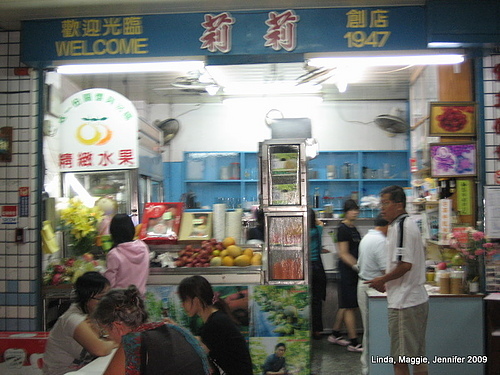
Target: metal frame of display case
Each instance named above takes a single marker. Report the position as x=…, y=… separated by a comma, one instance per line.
x=284, y=194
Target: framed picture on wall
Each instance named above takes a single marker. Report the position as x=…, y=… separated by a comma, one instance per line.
x=452, y=119
x=453, y=159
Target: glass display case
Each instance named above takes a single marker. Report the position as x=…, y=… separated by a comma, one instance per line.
x=284, y=201
x=121, y=185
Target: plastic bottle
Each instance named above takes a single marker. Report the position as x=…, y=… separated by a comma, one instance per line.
x=316, y=197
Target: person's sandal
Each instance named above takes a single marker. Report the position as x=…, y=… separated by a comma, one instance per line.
x=338, y=340
x=356, y=349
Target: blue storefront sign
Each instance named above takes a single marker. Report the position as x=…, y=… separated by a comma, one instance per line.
x=278, y=33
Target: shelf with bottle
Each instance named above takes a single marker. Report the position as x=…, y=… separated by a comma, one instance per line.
x=231, y=175
x=359, y=165
x=357, y=174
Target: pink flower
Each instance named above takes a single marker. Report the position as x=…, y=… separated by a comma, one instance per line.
x=477, y=236
x=488, y=245
x=480, y=252
x=492, y=252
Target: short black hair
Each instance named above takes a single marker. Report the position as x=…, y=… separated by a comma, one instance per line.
x=279, y=345
x=350, y=204
x=380, y=221
x=396, y=194
x=87, y=287
x=122, y=229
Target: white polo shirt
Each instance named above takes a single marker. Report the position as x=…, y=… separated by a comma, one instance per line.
x=408, y=290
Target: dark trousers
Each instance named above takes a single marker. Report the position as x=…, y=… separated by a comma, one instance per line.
x=318, y=295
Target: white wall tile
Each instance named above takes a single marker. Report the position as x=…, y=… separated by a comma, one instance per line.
x=24, y=287
x=24, y=312
x=11, y=312
x=11, y=261
x=11, y=274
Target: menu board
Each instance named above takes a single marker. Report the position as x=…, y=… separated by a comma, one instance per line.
x=492, y=211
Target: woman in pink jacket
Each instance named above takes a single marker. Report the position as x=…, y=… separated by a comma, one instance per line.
x=128, y=261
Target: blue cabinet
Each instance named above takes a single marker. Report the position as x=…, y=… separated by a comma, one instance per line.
x=233, y=177
x=221, y=177
x=339, y=175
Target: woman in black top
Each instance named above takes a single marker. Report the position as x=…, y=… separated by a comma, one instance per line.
x=227, y=347
x=348, y=239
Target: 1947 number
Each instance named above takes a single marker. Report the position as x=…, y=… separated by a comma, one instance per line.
x=360, y=39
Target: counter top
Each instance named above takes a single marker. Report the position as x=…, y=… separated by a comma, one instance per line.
x=96, y=367
x=372, y=293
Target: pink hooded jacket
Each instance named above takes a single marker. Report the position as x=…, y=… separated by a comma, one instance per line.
x=128, y=263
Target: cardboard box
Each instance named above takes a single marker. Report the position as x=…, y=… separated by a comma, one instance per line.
x=21, y=353
x=161, y=222
x=196, y=226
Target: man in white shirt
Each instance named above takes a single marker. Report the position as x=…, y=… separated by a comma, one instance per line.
x=407, y=299
x=372, y=261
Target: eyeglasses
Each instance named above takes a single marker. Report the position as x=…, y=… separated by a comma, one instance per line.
x=387, y=203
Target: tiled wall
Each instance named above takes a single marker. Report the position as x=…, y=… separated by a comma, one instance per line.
x=491, y=114
x=19, y=278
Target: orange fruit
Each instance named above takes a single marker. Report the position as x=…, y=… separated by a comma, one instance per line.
x=234, y=251
x=228, y=241
x=223, y=253
x=228, y=261
x=242, y=261
x=248, y=252
x=256, y=259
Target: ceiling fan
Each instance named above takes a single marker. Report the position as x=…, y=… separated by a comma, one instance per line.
x=193, y=83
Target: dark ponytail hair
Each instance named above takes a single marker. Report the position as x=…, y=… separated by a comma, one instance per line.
x=198, y=286
x=122, y=305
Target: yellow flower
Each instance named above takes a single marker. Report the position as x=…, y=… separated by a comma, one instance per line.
x=81, y=221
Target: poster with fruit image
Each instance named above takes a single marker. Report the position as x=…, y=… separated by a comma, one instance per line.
x=162, y=301
x=279, y=310
x=452, y=119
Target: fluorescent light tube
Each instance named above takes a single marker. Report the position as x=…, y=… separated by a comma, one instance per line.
x=166, y=66
x=387, y=60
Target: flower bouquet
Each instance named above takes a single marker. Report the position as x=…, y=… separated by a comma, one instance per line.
x=81, y=222
x=67, y=270
x=472, y=245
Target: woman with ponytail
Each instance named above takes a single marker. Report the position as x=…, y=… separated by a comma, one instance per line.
x=146, y=348
x=227, y=348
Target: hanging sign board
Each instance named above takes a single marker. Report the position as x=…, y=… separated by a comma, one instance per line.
x=8, y=214
x=279, y=32
x=464, y=197
x=444, y=216
x=98, y=131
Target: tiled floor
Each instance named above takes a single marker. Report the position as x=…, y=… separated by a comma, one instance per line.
x=330, y=359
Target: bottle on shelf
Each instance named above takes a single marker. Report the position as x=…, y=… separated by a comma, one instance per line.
x=346, y=170
x=331, y=172
x=316, y=197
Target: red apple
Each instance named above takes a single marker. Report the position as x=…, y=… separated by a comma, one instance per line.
x=442, y=266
